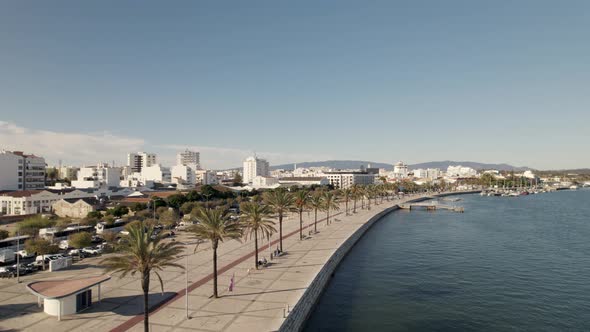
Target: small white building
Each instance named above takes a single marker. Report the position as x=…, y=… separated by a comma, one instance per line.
x=67, y=297
x=97, y=176
x=157, y=174
x=262, y=182
x=400, y=170
x=346, y=179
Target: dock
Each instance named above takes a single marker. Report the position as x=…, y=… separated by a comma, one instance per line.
x=431, y=207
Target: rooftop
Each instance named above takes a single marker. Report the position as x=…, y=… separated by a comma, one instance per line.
x=55, y=289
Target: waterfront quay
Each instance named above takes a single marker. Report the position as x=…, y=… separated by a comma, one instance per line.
x=260, y=301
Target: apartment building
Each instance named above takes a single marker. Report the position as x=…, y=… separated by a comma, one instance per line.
x=19, y=171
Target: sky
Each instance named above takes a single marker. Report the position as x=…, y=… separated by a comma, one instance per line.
x=488, y=81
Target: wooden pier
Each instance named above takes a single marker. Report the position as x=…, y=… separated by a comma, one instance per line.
x=431, y=207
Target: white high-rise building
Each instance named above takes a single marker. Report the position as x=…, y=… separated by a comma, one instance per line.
x=253, y=167
x=19, y=171
x=156, y=173
x=137, y=161
x=188, y=158
x=400, y=170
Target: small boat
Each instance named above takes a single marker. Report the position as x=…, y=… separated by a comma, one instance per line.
x=574, y=187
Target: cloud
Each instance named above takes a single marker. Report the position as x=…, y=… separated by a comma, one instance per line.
x=91, y=148
x=71, y=148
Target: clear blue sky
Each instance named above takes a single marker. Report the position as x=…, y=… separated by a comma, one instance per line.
x=490, y=81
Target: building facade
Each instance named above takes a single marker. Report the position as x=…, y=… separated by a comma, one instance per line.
x=188, y=158
x=347, y=179
x=97, y=176
x=19, y=171
x=253, y=167
x=77, y=208
x=138, y=161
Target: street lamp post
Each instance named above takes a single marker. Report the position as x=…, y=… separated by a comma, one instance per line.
x=186, y=275
x=17, y=257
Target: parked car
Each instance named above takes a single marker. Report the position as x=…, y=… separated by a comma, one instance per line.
x=25, y=254
x=92, y=250
x=7, y=272
x=64, y=245
x=24, y=269
x=76, y=252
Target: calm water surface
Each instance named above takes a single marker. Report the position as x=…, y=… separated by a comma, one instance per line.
x=506, y=264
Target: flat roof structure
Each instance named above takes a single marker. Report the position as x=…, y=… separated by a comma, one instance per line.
x=56, y=289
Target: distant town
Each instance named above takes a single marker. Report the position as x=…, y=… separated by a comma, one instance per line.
x=29, y=186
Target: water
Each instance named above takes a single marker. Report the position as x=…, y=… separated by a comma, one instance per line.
x=506, y=264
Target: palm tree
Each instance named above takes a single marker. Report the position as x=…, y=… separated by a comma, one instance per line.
x=301, y=203
x=255, y=220
x=356, y=193
x=281, y=202
x=330, y=202
x=142, y=251
x=346, y=194
x=215, y=226
x=316, y=202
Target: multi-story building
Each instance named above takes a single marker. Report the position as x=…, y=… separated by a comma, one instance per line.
x=460, y=172
x=98, y=176
x=138, y=161
x=400, y=170
x=188, y=158
x=19, y=171
x=346, y=179
x=183, y=174
x=206, y=177
x=253, y=167
x=157, y=174
x=68, y=172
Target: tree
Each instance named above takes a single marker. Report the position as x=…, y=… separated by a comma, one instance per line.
x=118, y=211
x=281, y=202
x=143, y=252
x=316, y=202
x=110, y=238
x=94, y=215
x=214, y=225
x=255, y=221
x=175, y=201
x=187, y=207
x=193, y=196
x=41, y=247
x=32, y=225
x=347, y=195
x=4, y=234
x=330, y=202
x=138, y=207
x=356, y=192
x=301, y=204
x=168, y=218
x=80, y=240
x=237, y=181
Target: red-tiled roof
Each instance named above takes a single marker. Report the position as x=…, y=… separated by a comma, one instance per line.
x=20, y=193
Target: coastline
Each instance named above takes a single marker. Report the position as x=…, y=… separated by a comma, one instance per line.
x=297, y=318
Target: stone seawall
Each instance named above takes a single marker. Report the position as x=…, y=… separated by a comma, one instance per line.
x=301, y=311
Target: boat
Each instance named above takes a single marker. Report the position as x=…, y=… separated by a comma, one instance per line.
x=574, y=187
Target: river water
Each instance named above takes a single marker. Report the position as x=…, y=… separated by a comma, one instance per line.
x=506, y=264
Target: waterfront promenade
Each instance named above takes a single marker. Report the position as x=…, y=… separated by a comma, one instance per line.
x=257, y=303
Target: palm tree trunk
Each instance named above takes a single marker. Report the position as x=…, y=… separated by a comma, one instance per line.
x=315, y=223
x=328, y=217
x=145, y=285
x=256, y=247
x=215, y=272
x=354, y=206
x=300, y=225
x=346, y=207
x=281, y=231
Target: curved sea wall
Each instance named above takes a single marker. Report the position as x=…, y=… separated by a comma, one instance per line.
x=301, y=311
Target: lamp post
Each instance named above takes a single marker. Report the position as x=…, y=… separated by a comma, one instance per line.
x=186, y=274
x=17, y=257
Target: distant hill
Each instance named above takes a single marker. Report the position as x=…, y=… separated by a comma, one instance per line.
x=341, y=164
x=355, y=164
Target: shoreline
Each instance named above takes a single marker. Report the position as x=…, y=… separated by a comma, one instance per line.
x=297, y=318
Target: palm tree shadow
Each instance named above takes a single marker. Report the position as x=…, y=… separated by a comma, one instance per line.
x=264, y=292
x=131, y=305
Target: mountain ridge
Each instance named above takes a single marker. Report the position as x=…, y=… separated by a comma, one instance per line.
x=355, y=164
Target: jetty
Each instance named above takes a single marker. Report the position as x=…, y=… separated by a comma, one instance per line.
x=431, y=207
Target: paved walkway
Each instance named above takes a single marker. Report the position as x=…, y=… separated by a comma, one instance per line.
x=257, y=303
